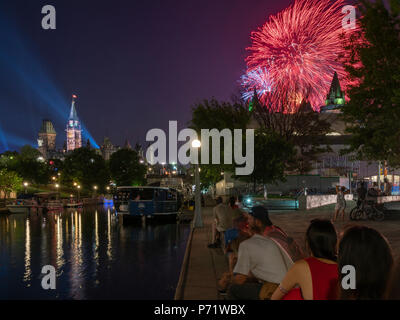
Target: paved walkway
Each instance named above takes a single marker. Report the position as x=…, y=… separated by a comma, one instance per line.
x=295, y=223
x=205, y=265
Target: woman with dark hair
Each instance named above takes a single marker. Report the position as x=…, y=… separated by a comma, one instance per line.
x=393, y=289
x=316, y=277
x=370, y=254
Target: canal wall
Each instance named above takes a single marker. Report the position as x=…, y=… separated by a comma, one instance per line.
x=316, y=201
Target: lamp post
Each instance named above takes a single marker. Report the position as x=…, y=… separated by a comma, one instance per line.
x=197, y=222
x=79, y=195
x=57, y=186
x=95, y=191
x=26, y=184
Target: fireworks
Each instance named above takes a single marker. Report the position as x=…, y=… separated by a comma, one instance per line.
x=258, y=80
x=296, y=53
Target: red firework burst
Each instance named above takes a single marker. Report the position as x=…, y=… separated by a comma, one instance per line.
x=299, y=47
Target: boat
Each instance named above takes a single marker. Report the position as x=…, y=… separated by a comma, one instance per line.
x=48, y=201
x=21, y=206
x=74, y=204
x=108, y=199
x=147, y=202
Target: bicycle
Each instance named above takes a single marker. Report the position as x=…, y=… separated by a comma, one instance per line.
x=367, y=210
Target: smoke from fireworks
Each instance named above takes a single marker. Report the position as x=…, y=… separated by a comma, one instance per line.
x=296, y=52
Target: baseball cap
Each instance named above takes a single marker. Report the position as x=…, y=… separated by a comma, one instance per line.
x=261, y=213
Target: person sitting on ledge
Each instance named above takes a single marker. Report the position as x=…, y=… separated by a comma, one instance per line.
x=316, y=277
x=261, y=264
x=222, y=215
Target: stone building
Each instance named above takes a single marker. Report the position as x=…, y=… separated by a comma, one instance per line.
x=47, y=139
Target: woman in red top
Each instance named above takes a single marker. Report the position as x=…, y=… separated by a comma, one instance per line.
x=316, y=277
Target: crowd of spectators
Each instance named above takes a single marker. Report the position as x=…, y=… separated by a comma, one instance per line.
x=267, y=264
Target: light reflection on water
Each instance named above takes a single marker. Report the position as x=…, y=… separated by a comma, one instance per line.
x=95, y=256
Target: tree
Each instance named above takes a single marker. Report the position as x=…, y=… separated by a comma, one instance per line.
x=9, y=181
x=373, y=64
x=273, y=153
x=297, y=124
x=9, y=160
x=86, y=167
x=30, y=167
x=126, y=169
x=212, y=114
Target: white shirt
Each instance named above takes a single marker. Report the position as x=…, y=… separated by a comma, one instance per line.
x=263, y=258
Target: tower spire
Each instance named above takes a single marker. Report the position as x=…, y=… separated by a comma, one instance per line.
x=74, y=132
x=73, y=115
x=335, y=95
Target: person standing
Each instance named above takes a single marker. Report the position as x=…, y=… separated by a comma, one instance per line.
x=387, y=187
x=222, y=215
x=340, y=202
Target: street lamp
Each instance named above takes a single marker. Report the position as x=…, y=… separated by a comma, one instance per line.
x=95, y=191
x=26, y=184
x=197, y=222
x=79, y=195
x=57, y=186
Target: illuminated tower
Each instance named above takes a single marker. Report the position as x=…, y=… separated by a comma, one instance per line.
x=47, y=139
x=74, y=132
x=335, y=98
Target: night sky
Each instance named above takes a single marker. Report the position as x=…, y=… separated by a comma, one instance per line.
x=134, y=65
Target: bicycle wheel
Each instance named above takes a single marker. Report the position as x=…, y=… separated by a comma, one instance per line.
x=378, y=215
x=354, y=214
x=359, y=214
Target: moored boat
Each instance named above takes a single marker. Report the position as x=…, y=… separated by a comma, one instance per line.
x=21, y=206
x=74, y=204
x=147, y=201
x=48, y=201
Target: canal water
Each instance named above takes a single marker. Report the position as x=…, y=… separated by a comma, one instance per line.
x=95, y=257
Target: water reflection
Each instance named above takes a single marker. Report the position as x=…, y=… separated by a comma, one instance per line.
x=95, y=257
x=27, y=274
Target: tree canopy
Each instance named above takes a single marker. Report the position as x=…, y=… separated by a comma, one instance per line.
x=9, y=181
x=373, y=64
x=126, y=169
x=212, y=114
x=86, y=167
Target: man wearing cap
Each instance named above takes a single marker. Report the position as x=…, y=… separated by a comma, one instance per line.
x=260, y=260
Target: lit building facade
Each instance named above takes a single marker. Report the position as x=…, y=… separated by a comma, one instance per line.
x=47, y=139
x=74, y=132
